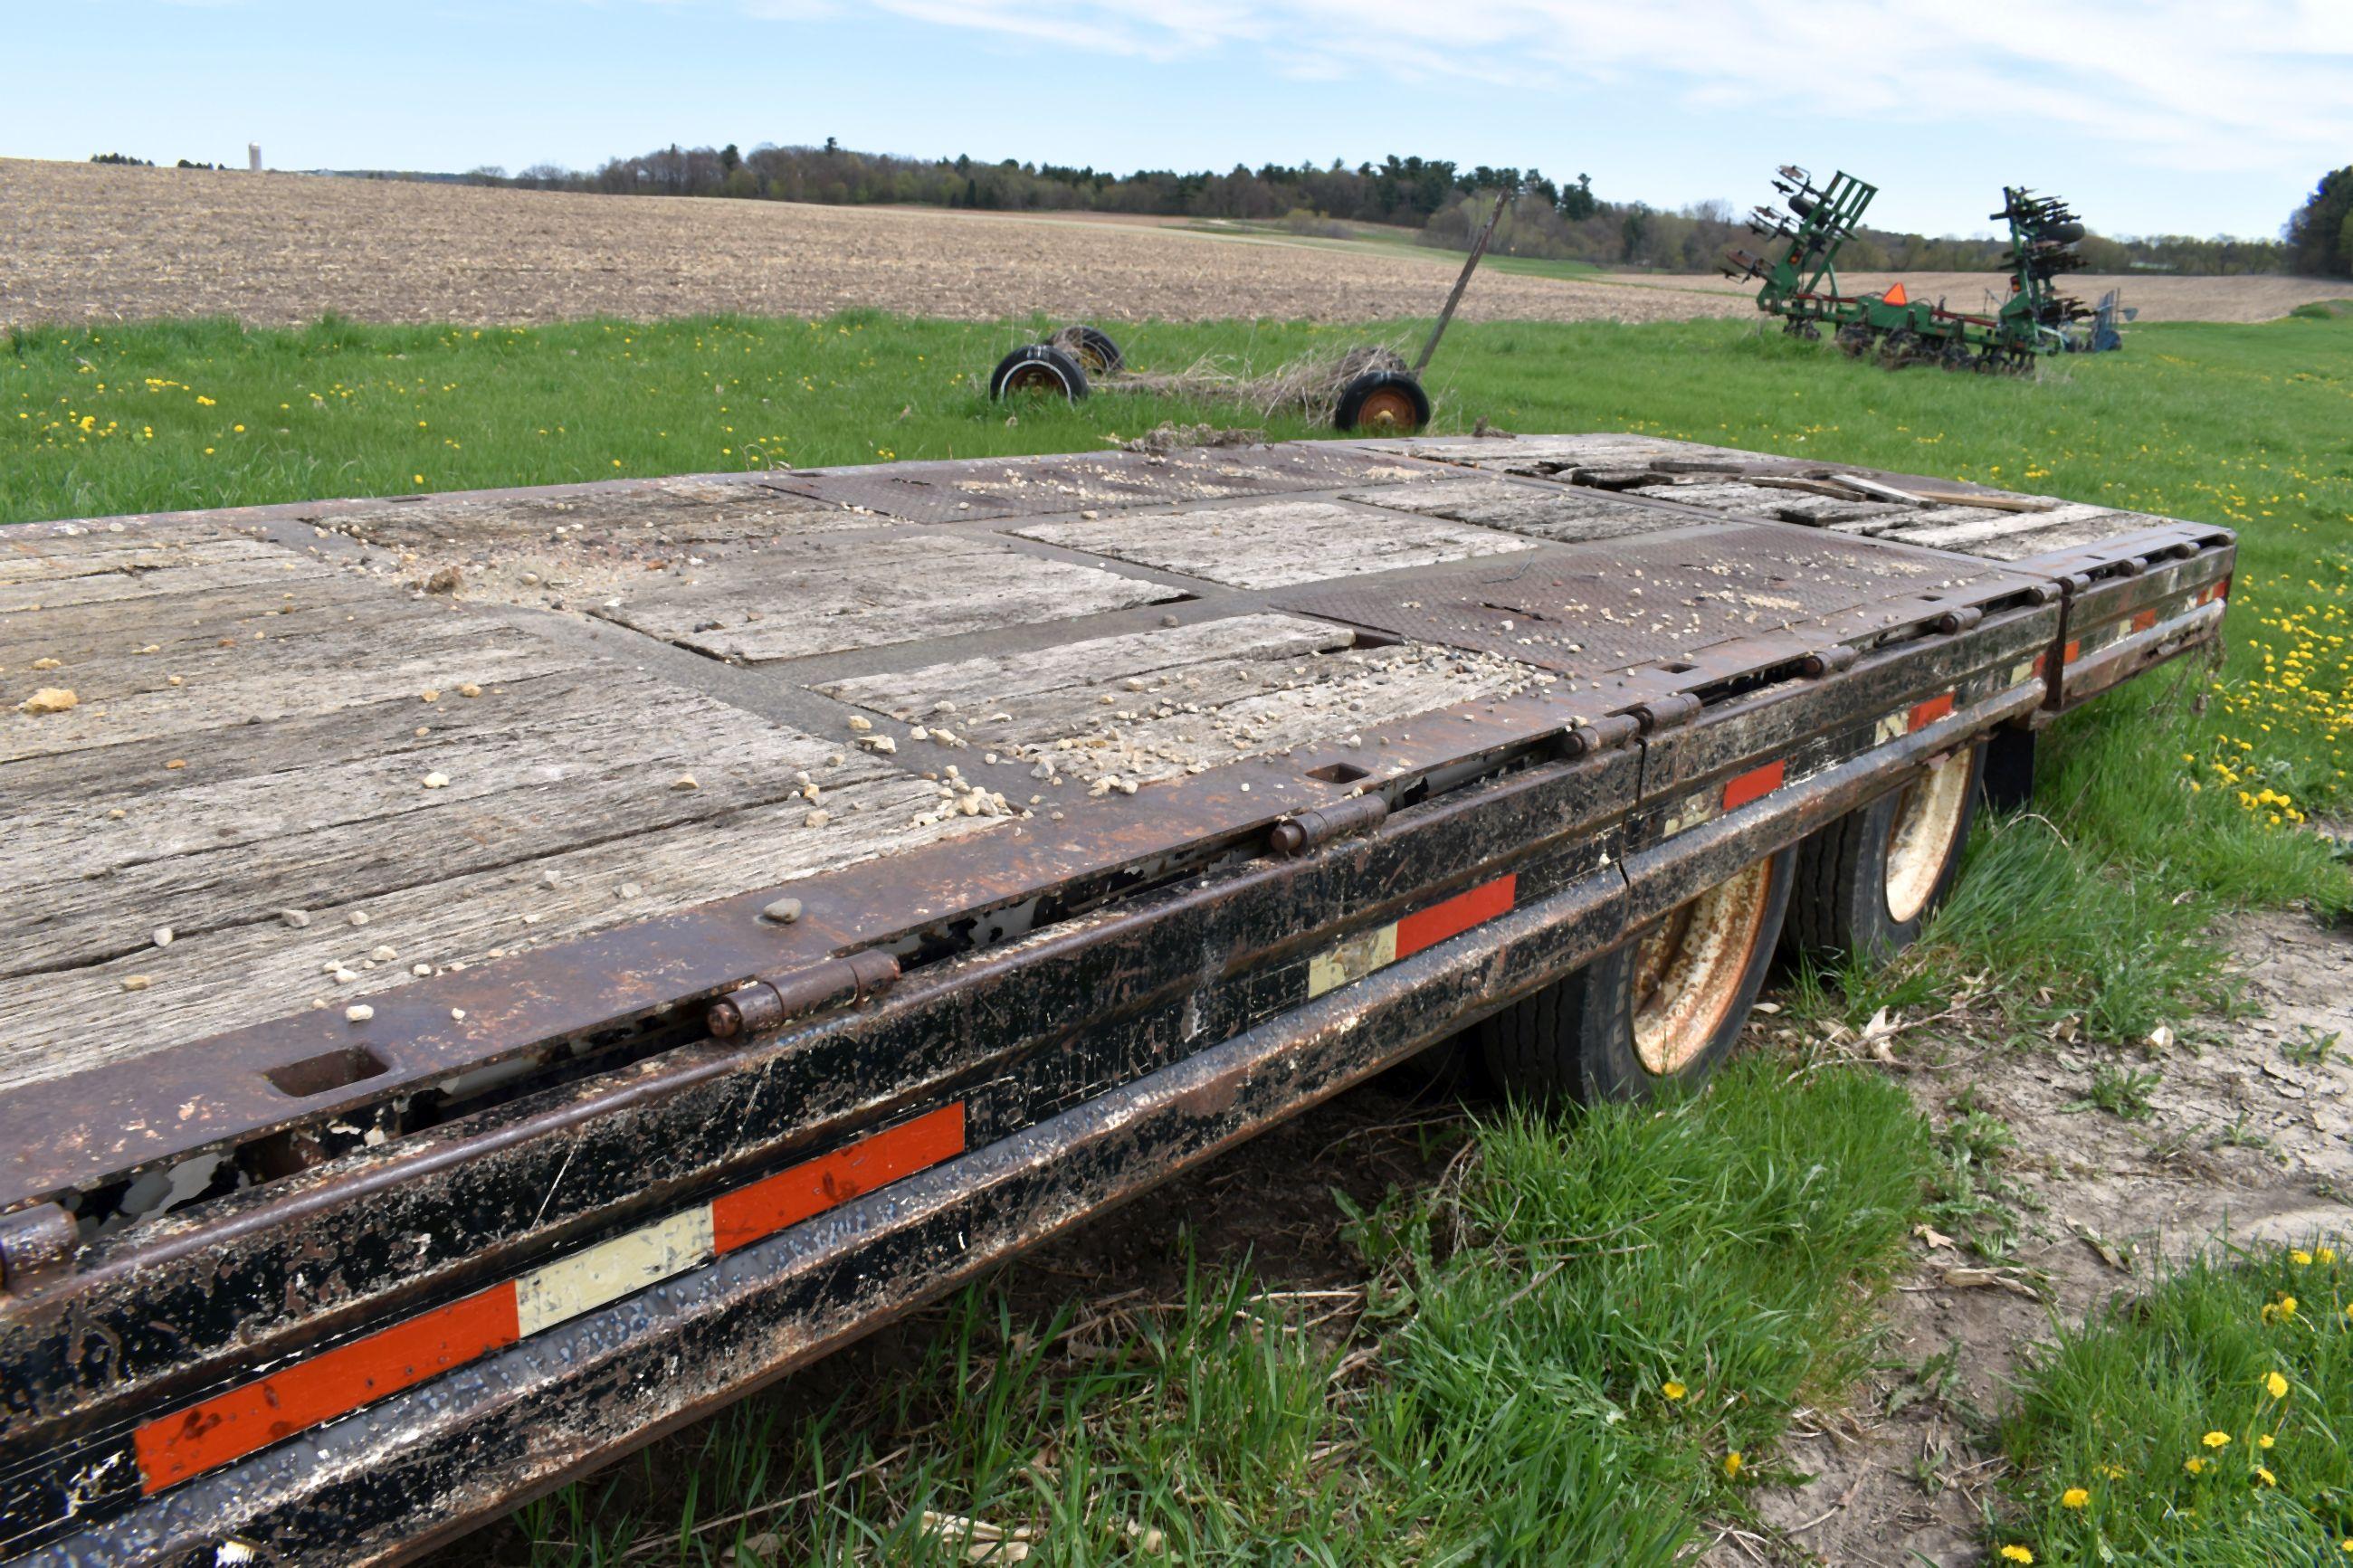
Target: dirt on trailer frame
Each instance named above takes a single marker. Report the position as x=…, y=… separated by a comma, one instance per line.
x=95, y=243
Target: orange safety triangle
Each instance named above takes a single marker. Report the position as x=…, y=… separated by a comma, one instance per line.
x=1895, y=295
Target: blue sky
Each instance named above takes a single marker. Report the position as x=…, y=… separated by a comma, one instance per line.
x=2163, y=116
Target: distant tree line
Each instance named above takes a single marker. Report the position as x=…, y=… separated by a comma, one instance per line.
x=1446, y=202
x=2320, y=235
x=129, y=161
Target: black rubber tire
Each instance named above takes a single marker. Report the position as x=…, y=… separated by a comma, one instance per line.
x=1574, y=1040
x=1838, y=904
x=1093, y=347
x=1045, y=358
x=1358, y=393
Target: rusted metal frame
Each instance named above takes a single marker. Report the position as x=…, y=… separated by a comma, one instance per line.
x=2110, y=611
x=1785, y=719
x=1665, y=870
x=422, y=1466
x=73, y=1133
x=157, y=1310
x=2137, y=652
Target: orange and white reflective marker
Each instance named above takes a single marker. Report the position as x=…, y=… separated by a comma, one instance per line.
x=1378, y=948
x=337, y=1382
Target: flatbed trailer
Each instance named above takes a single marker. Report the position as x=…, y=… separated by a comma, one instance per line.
x=493, y=977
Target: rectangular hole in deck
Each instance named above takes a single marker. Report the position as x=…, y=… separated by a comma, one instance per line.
x=332, y=1069
x=1339, y=773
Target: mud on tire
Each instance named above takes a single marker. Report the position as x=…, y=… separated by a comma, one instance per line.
x=1868, y=882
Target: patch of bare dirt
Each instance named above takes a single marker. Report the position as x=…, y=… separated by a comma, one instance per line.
x=2245, y=1139
x=96, y=242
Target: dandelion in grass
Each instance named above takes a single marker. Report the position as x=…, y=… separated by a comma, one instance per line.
x=2276, y=1385
x=1672, y=1389
x=2324, y=1255
x=2075, y=1498
x=1732, y=1465
x=2281, y=1310
x=2265, y=1477
x=2113, y=1472
x=2194, y=1465
x=2266, y=1442
x=2014, y=1553
x=2216, y=1440
x=2302, y=1259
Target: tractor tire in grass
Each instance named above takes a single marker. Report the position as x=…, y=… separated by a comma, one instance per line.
x=1039, y=369
x=1382, y=402
x=1093, y=347
x=1869, y=881
x=1661, y=1009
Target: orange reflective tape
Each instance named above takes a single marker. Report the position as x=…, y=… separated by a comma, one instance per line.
x=1423, y=928
x=2067, y=655
x=333, y=1383
x=2144, y=620
x=1927, y=713
x=743, y=1217
x=1753, y=785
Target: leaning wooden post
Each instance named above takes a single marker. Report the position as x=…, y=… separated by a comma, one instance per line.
x=1470, y=264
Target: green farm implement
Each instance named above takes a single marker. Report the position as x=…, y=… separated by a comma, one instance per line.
x=1800, y=283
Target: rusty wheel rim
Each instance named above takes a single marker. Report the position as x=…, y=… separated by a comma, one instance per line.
x=1387, y=409
x=1033, y=379
x=1921, y=835
x=1688, y=969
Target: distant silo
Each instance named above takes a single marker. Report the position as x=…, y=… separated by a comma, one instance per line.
x=253, y=156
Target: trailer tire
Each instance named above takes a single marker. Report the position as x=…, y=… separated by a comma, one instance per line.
x=1590, y=1034
x=1093, y=349
x=1383, y=401
x=1039, y=369
x=1867, y=883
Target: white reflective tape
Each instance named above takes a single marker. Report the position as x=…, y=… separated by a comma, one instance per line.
x=611, y=1270
x=2020, y=672
x=1352, y=959
x=1694, y=810
x=1894, y=727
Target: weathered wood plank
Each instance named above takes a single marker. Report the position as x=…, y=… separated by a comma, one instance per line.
x=1275, y=544
x=817, y=595
x=76, y=1019
x=130, y=698
x=582, y=760
x=1119, y=711
x=1561, y=515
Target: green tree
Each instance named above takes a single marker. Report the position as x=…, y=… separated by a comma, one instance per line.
x=2320, y=235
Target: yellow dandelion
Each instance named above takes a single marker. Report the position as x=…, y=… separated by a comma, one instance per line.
x=2324, y=1255
x=2074, y=1496
x=1732, y=1464
x=2265, y=1477
x=1672, y=1389
x=2114, y=1472
x=2266, y=1442
x=2194, y=1465
x=2276, y=1385
x=2216, y=1439
x=2302, y=1259
x=2016, y=1553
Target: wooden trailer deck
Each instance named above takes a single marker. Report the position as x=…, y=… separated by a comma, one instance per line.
x=308, y=803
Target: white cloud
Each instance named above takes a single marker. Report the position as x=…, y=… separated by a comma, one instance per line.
x=2208, y=86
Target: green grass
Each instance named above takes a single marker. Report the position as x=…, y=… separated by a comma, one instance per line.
x=2113, y=1449
x=1502, y=1395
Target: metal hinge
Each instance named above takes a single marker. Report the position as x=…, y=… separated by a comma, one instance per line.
x=761, y=1003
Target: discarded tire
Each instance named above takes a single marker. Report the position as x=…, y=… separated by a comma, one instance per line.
x=1093, y=347
x=1382, y=401
x=1039, y=369
x=1661, y=1008
x=1869, y=881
